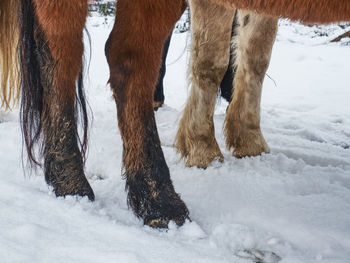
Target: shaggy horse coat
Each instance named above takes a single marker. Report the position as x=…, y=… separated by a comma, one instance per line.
x=253, y=43
x=211, y=29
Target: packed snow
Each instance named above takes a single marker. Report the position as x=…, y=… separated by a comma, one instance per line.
x=293, y=202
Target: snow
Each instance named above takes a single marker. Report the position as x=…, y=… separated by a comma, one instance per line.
x=293, y=202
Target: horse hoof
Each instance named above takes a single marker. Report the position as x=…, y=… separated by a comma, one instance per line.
x=173, y=211
x=157, y=104
x=156, y=202
x=205, y=161
x=247, y=143
x=88, y=192
x=79, y=188
x=165, y=208
x=255, y=150
x=163, y=221
x=198, y=153
x=157, y=223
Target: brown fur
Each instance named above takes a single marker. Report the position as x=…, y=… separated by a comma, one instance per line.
x=307, y=11
x=211, y=31
x=134, y=58
x=253, y=45
x=137, y=53
x=51, y=50
x=9, y=75
x=64, y=34
x=59, y=38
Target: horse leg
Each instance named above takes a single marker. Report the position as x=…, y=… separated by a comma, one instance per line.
x=134, y=51
x=159, y=92
x=211, y=29
x=255, y=37
x=58, y=35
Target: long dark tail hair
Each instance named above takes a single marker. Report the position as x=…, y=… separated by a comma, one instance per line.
x=9, y=77
x=227, y=83
x=35, y=52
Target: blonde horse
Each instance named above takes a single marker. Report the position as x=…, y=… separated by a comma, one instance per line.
x=253, y=41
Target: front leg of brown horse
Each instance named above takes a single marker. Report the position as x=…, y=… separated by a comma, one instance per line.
x=52, y=49
x=133, y=52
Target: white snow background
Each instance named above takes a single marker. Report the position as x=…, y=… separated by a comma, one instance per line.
x=294, y=201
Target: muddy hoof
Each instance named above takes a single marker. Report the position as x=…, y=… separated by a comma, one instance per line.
x=173, y=211
x=82, y=190
x=163, y=222
x=157, y=104
x=65, y=174
x=70, y=183
x=155, y=201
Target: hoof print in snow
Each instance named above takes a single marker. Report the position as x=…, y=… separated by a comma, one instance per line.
x=259, y=256
x=345, y=146
x=95, y=177
x=2, y=119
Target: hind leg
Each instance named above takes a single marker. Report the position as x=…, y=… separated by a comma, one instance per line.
x=133, y=52
x=254, y=41
x=58, y=38
x=211, y=29
x=159, y=92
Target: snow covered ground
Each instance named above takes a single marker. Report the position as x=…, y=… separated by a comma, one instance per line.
x=294, y=202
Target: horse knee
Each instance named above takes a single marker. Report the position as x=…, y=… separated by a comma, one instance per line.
x=119, y=73
x=208, y=73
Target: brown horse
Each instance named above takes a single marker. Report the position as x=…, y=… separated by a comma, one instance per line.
x=50, y=52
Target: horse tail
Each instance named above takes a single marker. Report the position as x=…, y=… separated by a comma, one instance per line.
x=9, y=31
x=35, y=56
x=31, y=79
x=227, y=83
